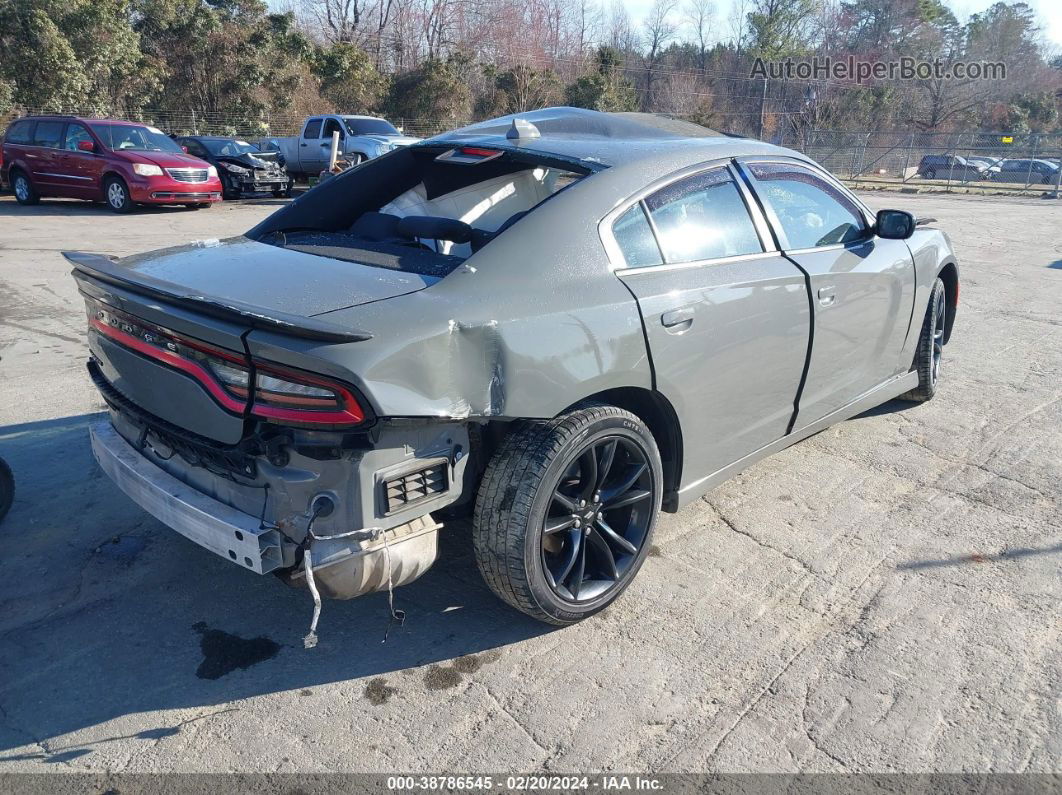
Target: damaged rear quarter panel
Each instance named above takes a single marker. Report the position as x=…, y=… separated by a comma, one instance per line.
x=534, y=322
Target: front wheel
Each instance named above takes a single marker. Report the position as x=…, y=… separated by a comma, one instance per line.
x=565, y=512
x=117, y=195
x=231, y=190
x=930, y=351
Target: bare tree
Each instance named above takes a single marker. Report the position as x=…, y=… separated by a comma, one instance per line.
x=619, y=34
x=660, y=30
x=700, y=17
x=337, y=19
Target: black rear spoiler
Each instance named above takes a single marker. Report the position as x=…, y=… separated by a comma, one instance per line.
x=104, y=269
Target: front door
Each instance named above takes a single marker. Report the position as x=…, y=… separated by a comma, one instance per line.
x=82, y=168
x=862, y=286
x=726, y=315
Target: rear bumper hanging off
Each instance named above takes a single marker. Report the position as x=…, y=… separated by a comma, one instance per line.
x=232, y=534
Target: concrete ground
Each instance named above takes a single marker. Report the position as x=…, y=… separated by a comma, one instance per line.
x=882, y=597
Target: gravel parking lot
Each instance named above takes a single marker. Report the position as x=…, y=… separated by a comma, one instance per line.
x=881, y=597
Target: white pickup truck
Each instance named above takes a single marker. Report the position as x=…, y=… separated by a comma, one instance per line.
x=360, y=138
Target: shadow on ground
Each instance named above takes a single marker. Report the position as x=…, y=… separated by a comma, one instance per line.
x=109, y=613
x=69, y=207
x=76, y=207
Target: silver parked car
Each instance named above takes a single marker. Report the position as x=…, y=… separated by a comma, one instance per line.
x=562, y=323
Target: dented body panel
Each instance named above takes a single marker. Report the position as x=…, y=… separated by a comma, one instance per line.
x=441, y=331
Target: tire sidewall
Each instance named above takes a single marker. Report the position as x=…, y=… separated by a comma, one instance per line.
x=598, y=428
x=930, y=386
x=127, y=205
x=7, y=489
x=28, y=199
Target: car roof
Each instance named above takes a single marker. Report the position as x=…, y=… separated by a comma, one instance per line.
x=611, y=139
x=213, y=138
x=84, y=120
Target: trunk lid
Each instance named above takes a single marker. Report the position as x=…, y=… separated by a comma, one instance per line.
x=167, y=328
x=258, y=278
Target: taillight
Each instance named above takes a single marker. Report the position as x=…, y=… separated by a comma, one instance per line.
x=284, y=395
x=224, y=375
x=279, y=394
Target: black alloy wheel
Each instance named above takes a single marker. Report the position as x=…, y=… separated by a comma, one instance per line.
x=565, y=512
x=599, y=519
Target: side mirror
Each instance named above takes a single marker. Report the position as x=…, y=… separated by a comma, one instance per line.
x=894, y=224
x=86, y=146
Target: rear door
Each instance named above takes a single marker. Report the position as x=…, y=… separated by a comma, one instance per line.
x=862, y=286
x=726, y=315
x=45, y=159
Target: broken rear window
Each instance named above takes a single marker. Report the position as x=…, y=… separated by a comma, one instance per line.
x=422, y=210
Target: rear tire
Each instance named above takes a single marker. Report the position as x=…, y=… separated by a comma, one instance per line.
x=929, y=355
x=7, y=489
x=25, y=193
x=562, y=525
x=931, y=173
x=117, y=195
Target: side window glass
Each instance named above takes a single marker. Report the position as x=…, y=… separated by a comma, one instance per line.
x=49, y=134
x=313, y=129
x=21, y=132
x=703, y=217
x=331, y=126
x=812, y=212
x=635, y=239
x=75, y=134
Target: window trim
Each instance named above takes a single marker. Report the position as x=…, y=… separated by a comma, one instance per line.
x=66, y=132
x=869, y=217
x=30, y=123
x=62, y=134
x=618, y=263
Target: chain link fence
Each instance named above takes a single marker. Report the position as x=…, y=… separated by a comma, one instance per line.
x=243, y=125
x=972, y=161
x=978, y=161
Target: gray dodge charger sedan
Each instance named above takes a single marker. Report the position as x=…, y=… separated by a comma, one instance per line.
x=560, y=323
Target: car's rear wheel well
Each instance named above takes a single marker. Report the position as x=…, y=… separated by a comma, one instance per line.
x=650, y=407
x=659, y=415
x=949, y=274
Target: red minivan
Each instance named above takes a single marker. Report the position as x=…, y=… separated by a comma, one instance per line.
x=118, y=162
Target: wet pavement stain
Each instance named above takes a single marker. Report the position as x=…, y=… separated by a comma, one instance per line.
x=654, y=551
x=471, y=663
x=378, y=691
x=224, y=653
x=439, y=678
x=121, y=549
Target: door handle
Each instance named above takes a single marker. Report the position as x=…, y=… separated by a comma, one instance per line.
x=304, y=144
x=827, y=295
x=679, y=319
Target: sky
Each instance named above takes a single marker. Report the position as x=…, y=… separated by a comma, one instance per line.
x=1049, y=11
